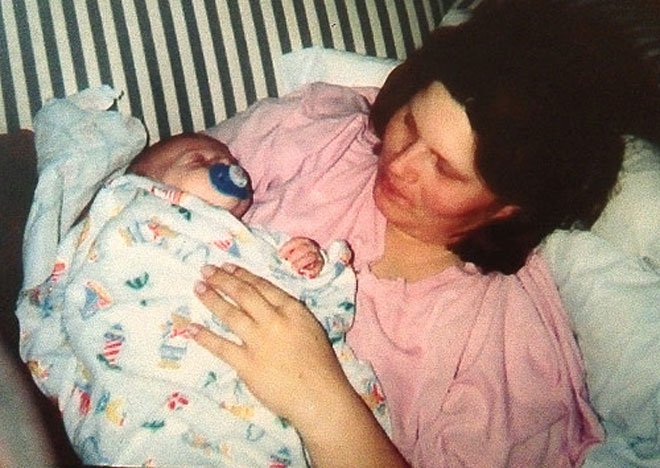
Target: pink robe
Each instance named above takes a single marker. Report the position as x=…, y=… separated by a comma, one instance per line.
x=478, y=370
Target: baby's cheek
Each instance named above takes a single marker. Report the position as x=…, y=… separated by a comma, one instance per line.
x=222, y=201
x=193, y=181
x=197, y=183
x=240, y=207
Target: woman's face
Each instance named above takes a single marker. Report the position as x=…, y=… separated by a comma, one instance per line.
x=427, y=184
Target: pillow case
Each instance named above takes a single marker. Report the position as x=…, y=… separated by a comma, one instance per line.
x=613, y=301
x=331, y=66
x=631, y=219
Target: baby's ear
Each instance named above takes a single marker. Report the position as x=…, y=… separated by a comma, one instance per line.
x=135, y=167
x=144, y=164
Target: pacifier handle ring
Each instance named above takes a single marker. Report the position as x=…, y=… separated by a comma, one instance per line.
x=230, y=179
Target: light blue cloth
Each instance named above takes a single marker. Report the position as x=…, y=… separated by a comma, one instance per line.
x=79, y=144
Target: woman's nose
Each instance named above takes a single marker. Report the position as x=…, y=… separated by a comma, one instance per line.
x=408, y=163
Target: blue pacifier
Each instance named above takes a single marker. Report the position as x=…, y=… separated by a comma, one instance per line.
x=230, y=180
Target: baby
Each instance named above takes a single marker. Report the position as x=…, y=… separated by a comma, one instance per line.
x=133, y=387
x=203, y=166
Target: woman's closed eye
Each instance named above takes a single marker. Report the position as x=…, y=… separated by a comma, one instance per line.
x=445, y=168
x=410, y=123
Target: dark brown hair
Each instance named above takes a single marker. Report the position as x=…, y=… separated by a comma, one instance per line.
x=549, y=87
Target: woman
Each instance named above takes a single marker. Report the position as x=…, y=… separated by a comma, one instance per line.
x=444, y=182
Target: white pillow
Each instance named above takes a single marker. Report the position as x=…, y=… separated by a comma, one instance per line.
x=339, y=67
x=631, y=219
x=609, y=282
x=613, y=300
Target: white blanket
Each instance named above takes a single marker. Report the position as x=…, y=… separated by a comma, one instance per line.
x=107, y=302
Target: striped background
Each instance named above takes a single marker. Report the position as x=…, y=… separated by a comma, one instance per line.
x=184, y=64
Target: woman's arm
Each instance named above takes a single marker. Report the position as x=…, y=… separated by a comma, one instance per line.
x=287, y=362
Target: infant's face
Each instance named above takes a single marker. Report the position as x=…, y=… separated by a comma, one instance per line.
x=184, y=163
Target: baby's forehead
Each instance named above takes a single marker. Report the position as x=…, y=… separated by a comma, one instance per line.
x=197, y=139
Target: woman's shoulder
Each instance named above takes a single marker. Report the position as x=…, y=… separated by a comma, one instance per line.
x=323, y=100
x=533, y=281
x=494, y=312
x=458, y=297
x=465, y=284
x=317, y=101
x=528, y=298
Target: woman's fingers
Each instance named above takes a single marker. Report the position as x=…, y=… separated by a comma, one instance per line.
x=286, y=359
x=232, y=353
x=251, y=292
x=239, y=321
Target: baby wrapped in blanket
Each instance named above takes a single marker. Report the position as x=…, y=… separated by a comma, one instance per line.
x=106, y=334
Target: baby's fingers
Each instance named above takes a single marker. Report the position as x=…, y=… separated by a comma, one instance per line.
x=309, y=265
x=289, y=246
x=296, y=246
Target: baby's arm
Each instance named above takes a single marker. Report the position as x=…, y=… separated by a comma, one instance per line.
x=304, y=255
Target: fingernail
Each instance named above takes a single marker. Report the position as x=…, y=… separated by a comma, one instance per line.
x=228, y=267
x=200, y=287
x=207, y=270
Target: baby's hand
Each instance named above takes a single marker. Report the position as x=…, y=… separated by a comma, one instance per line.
x=304, y=255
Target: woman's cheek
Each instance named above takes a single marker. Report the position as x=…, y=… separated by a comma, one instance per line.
x=446, y=200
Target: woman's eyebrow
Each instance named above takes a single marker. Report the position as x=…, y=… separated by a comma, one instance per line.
x=411, y=123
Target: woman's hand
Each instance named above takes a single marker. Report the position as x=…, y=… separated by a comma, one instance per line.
x=285, y=357
x=287, y=362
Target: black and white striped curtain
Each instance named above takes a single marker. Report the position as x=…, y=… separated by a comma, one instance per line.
x=184, y=65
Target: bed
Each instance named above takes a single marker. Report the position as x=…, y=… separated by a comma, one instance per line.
x=184, y=66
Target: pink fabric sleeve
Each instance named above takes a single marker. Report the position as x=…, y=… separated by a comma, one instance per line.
x=274, y=137
x=478, y=370
x=518, y=393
